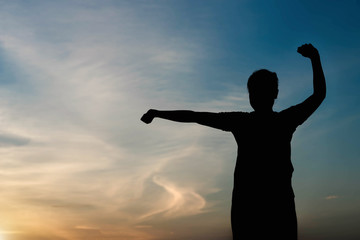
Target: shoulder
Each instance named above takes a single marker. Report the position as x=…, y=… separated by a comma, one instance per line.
x=288, y=111
x=293, y=110
x=294, y=115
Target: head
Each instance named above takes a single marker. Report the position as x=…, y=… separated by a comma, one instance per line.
x=263, y=90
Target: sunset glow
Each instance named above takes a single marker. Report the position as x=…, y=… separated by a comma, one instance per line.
x=76, y=162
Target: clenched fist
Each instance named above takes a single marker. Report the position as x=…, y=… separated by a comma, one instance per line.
x=149, y=116
x=308, y=50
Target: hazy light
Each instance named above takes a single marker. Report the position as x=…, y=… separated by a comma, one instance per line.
x=331, y=197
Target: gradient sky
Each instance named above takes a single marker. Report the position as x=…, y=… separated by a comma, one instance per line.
x=76, y=76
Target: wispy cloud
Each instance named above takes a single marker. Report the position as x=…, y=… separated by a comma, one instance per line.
x=81, y=146
x=182, y=202
x=330, y=197
x=7, y=140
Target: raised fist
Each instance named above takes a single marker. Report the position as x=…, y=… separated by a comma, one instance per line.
x=308, y=50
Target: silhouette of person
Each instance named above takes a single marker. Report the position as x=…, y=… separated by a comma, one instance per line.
x=263, y=199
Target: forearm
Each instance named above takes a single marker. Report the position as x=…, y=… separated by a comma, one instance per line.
x=318, y=78
x=177, y=115
x=185, y=116
x=306, y=108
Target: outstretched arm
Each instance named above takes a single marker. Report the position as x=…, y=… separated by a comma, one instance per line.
x=319, y=85
x=186, y=116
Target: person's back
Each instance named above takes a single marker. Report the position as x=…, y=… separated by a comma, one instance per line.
x=263, y=151
x=262, y=194
x=263, y=200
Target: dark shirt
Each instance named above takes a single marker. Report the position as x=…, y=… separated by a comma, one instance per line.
x=263, y=165
x=263, y=199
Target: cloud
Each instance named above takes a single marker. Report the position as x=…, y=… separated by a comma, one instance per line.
x=182, y=202
x=84, y=153
x=330, y=197
x=7, y=140
x=9, y=232
x=86, y=227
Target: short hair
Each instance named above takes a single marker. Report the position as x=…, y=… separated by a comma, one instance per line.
x=262, y=81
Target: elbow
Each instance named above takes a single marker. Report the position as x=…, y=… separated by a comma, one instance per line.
x=320, y=93
x=320, y=96
x=323, y=94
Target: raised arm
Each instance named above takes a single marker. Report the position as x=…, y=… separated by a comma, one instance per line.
x=319, y=85
x=186, y=116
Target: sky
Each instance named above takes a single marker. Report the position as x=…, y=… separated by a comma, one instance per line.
x=76, y=162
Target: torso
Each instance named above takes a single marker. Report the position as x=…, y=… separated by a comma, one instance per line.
x=263, y=164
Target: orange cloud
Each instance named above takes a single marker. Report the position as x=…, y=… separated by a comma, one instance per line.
x=331, y=197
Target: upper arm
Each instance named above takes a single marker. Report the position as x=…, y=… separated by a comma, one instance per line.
x=301, y=112
x=224, y=120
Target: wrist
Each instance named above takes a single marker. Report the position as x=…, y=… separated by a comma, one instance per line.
x=315, y=57
x=154, y=112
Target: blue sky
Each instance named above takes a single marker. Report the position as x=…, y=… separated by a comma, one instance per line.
x=76, y=76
